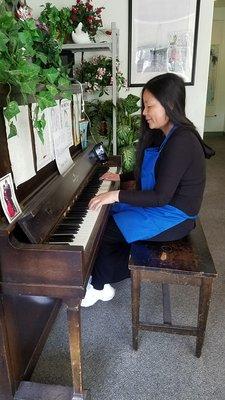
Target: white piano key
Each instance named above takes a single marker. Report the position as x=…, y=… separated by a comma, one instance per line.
x=82, y=236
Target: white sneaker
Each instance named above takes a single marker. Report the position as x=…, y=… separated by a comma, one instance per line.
x=93, y=295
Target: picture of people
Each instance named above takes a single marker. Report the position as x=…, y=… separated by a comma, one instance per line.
x=9, y=202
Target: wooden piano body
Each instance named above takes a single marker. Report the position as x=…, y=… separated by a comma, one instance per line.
x=31, y=268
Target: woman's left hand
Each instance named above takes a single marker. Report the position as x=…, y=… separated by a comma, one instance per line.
x=103, y=198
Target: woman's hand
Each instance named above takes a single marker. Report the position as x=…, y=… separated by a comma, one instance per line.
x=103, y=198
x=110, y=176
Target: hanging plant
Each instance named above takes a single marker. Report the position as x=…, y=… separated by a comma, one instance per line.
x=30, y=64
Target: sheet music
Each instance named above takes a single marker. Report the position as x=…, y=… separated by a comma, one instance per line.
x=66, y=119
x=20, y=148
x=76, y=118
x=61, y=148
x=44, y=151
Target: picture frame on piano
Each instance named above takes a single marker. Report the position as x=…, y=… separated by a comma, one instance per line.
x=9, y=202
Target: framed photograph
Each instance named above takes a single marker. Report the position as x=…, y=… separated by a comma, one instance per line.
x=162, y=38
x=9, y=202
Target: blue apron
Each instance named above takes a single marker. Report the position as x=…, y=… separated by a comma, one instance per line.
x=140, y=223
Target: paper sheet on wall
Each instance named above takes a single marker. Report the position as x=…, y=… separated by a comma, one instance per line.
x=44, y=151
x=61, y=148
x=76, y=118
x=20, y=148
x=66, y=120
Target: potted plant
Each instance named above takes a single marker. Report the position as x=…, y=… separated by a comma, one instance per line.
x=97, y=74
x=128, y=124
x=100, y=115
x=83, y=13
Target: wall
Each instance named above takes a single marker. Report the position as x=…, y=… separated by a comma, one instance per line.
x=117, y=10
x=215, y=114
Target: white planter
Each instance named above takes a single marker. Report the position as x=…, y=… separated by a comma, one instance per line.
x=79, y=36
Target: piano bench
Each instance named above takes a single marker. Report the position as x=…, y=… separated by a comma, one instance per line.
x=182, y=262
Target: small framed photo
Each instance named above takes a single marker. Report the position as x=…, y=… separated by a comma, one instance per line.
x=9, y=202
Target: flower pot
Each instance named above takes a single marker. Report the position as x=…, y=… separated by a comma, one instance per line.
x=80, y=36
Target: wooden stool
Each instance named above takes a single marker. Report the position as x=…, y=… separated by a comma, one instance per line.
x=182, y=262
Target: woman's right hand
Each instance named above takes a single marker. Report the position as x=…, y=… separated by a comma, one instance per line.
x=110, y=176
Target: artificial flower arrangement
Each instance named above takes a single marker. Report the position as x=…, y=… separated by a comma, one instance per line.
x=97, y=74
x=84, y=12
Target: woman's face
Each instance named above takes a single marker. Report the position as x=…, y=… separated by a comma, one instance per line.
x=155, y=114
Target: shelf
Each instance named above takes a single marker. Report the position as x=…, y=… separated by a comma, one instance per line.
x=75, y=47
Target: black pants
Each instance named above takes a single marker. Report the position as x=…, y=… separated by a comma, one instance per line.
x=111, y=264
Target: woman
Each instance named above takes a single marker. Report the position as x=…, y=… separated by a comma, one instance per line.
x=170, y=177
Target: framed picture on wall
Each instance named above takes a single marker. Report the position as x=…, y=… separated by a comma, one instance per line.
x=162, y=38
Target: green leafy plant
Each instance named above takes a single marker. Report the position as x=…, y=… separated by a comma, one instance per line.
x=58, y=22
x=30, y=65
x=128, y=124
x=97, y=74
x=100, y=115
x=90, y=18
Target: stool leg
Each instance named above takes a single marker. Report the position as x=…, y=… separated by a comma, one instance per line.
x=135, y=294
x=203, y=309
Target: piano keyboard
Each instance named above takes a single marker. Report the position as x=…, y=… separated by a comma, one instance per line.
x=77, y=226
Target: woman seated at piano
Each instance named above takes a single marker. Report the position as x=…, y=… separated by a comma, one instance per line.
x=170, y=180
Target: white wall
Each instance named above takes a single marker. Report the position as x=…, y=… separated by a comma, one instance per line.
x=117, y=10
x=215, y=114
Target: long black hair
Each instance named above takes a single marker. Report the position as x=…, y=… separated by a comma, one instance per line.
x=169, y=90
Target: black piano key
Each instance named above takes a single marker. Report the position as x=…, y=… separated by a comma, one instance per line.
x=71, y=223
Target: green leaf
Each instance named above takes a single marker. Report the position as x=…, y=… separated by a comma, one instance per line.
x=11, y=110
x=3, y=40
x=52, y=89
x=51, y=74
x=125, y=135
x=13, y=131
x=25, y=38
x=130, y=103
x=7, y=21
x=63, y=82
x=66, y=95
x=28, y=87
x=45, y=99
x=40, y=124
x=42, y=57
x=128, y=158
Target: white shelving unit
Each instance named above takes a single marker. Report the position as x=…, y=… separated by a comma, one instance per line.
x=113, y=48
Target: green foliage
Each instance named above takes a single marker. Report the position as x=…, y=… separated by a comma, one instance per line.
x=128, y=125
x=59, y=22
x=29, y=58
x=100, y=115
x=127, y=130
x=97, y=73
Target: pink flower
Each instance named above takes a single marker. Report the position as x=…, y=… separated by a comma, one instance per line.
x=101, y=71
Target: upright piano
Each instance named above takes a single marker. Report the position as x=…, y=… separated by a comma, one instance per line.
x=46, y=257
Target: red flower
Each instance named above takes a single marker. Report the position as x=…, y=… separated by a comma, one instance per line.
x=90, y=18
x=78, y=1
x=99, y=10
x=89, y=7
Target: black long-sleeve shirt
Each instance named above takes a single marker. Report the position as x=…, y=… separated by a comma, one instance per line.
x=179, y=173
